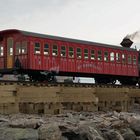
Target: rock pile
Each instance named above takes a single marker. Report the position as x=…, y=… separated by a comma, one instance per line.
x=71, y=126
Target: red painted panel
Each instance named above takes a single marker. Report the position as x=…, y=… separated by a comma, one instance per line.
x=129, y=68
x=63, y=64
x=112, y=68
x=37, y=62
x=54, y=64
x=79, y=66
x=99, y=67
x=71, y=65
x=106, y=67
x=118, y=68
x=1, y=62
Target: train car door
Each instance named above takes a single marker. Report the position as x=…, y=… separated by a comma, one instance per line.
x=10, y=43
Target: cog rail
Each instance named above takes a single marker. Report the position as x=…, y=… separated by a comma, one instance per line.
x=63, y=84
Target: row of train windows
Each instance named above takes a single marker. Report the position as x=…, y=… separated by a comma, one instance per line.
x=21, y=48
x=107, y=56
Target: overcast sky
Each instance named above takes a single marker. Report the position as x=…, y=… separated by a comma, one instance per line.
x=104, y=21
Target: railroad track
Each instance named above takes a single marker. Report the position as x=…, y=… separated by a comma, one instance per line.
x=29, y=83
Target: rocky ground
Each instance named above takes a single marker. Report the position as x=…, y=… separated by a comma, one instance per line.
x=71, y=126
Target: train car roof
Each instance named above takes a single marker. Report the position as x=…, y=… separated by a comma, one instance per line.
x=26, y=33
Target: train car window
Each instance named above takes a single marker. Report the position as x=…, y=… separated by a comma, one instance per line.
x=123, y=58
x=106, y=56
x=1, y=50
x=71, y=52
x=78, y=52
x=85, y=53
x=37, y=48
x=63, y=51
x=99, y=55
x=46, y=49
x=55, y=50
x=112, y=56
x=24, y=47
x=134, y=60
x=10, y=46
x=118, y=57
x=129, y=59
x=18, y=48
x=92, y=57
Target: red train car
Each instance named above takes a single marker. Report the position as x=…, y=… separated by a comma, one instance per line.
x=41, y=56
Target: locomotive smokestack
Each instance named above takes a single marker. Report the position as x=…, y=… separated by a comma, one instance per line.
x=130, y=39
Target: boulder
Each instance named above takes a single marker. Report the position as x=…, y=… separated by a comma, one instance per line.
x=135, y=126
x=26, y=123
x=112, y=135
x=87, y=131
x=49, y=131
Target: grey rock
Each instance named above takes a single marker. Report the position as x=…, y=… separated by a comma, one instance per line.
x=135, y=126
x=18, y=134
x=25, y=123
x=128, y=134
x=90, y=132
x=112, y=135
x=49, y=132
x=87, y=131
x=138, y=138
x=4, y=120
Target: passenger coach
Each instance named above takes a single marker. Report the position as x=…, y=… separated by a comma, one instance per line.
x=42, y=56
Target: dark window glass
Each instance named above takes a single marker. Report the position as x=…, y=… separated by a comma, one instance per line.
x=55, y=50
x=63, y=51
x=106, y=56
x=24, y=47
x=99, y=55
x=37, y=48
x=85, y=53
x=134, y=60
x=79, y=53
x=118, y=57
x=10, y=44
x=71, y=52
x=124, y=58
x=46, y=49
x=92, y=57
x=18, y=48
x=129, y=59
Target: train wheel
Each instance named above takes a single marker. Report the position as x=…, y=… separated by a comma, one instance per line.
x=50, y=77
x=38, y=77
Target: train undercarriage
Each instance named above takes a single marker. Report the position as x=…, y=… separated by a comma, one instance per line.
x=50, y=76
